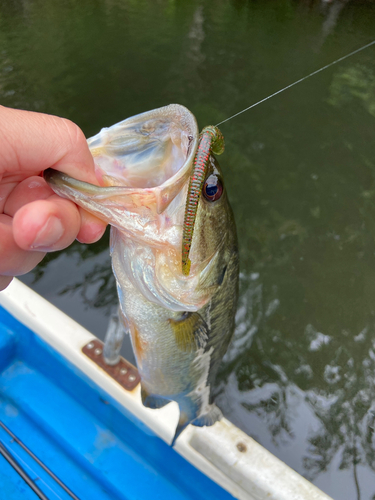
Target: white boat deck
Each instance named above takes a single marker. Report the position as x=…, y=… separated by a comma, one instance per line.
x=223, y=452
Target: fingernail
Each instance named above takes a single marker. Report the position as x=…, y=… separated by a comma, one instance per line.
x=91, y=233
x=49, y=234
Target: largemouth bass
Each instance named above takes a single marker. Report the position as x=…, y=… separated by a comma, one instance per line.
x=174, y=251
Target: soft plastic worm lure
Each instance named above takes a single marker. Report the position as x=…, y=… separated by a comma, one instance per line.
x=211, y=140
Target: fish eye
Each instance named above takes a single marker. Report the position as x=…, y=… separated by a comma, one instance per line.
x=213, y=188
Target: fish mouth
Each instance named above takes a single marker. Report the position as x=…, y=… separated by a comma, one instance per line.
x=144, y=160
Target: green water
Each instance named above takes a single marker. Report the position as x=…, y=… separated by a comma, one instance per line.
x=300, y=172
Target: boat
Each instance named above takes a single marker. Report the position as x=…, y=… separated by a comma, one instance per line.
x=72, y=427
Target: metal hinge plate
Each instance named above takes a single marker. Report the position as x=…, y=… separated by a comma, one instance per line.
x=124, y=372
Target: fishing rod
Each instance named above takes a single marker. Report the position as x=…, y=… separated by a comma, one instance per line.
x=21, y=471
x=7, y=455
x=299, y=81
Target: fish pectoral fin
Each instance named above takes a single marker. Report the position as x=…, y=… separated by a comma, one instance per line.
x=152, y=401
x=213, y=415
x=191, y=331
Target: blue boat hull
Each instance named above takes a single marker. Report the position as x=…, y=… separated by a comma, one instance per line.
x=94, y=445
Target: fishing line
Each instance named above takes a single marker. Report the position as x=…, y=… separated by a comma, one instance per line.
x=299, y=81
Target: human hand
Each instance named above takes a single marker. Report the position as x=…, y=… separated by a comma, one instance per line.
x=34, y=220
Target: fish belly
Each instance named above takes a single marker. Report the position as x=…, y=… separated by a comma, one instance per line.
x=164, y=368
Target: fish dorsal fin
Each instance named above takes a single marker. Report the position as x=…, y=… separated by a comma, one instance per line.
x=213, y=415
x=188, y=411
x=191, y=331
